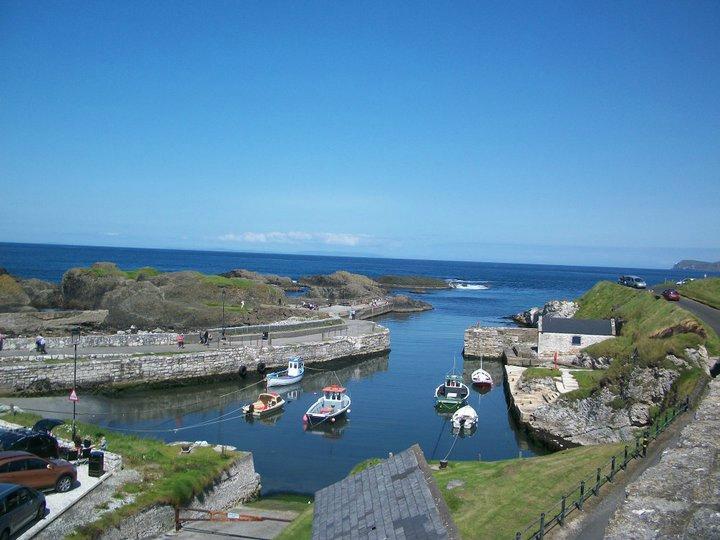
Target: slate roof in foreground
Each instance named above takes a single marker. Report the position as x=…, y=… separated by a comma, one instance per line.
x=561, y=325
x=395, y=500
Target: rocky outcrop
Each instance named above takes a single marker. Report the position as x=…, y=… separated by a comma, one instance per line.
x=84, y=288
x=404, y=304
x=42, y=294
x=52, y=322
x=605, y=416
x=342, y=285
x=555, y=308
x=283, y=282
x=12, y=295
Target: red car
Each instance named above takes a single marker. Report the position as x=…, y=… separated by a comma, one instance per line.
x=671, y=294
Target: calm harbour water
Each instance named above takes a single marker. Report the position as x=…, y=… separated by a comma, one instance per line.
x=392, y=395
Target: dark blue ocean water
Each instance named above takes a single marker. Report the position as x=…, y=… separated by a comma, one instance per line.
x=392, y=395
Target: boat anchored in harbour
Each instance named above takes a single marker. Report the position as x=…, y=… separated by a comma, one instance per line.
x=465, y=418
x=333, y=404
x=452, y=393
x=293, y=374
x=481, y=378
x=267, y=403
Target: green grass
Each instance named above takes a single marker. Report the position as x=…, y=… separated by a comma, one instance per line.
x=168, y=477
x=706, y=291
x=540, y=373
x=502, y=497
x=360, y=467
x=588, y=380
x=300, y=528
x=639, y=344
x=142, y=273
x=283, y=501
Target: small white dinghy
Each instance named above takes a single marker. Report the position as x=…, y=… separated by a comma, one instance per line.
x=464, y=418
x=293, y=374
x=480, y=377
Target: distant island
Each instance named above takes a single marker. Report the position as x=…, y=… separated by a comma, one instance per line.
x=702, y=266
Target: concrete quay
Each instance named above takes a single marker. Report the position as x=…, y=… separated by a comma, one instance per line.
x=34, y=374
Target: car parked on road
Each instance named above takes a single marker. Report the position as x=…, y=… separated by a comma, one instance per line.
x=671, y=294
x=31, y=471
x=19, y=506
x=685, y=281
x=632, y=281
x=42, y=444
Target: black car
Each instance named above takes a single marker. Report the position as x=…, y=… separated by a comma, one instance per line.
x=41, y=444
x=19, y=507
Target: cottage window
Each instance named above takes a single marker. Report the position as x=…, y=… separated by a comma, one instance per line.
x=576, y=340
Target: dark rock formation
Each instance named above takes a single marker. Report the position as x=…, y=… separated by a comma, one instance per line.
x=405, y=304
x=84, y=288
x=283, y=282
x=342, y=286
x=42, y=294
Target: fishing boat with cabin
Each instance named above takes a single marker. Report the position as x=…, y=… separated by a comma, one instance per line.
x=452, y=393
x=333, y=404
x=293, y=374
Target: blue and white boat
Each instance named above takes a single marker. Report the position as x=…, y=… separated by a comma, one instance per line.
x=293, y=374
x=333, y=404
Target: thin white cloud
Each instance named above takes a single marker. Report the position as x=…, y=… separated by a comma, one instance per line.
x=295, y=237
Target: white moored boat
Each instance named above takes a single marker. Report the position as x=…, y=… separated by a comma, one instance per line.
x=266, y=404
x=334, y=403
x=480, y=377
x=464, y=418
x=293, y=374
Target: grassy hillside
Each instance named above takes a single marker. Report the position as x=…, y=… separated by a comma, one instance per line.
x=501, y=497
x=706, y=291
x=652, y=328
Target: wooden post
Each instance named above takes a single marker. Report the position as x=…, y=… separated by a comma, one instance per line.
x=518, y=536
x=562, y=510
x=582, y=495
x=637, y=446
x=625, y=459
x=597, y=482
x=612, y=468
x=542, y=526
x=177, y=519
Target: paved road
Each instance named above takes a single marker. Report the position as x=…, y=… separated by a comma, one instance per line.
x=708, y=314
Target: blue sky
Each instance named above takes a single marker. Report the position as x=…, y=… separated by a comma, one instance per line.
x=574, y=132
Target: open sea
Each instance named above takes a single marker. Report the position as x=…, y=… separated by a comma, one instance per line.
x=392, y=395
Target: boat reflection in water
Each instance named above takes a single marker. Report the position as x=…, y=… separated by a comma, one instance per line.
x=329, y=430
x=464, y=432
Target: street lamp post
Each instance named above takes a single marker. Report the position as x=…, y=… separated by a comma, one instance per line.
x=75, y=340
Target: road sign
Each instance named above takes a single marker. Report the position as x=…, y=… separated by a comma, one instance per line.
x=73, y=396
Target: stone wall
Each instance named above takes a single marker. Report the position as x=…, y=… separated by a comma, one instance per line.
x=490, y=342
x=141, y=339
x=549, y=343
x=37, y=377
x=238, y=484
x=679, y=497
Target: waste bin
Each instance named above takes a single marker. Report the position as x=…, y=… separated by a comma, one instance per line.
x=96, y=464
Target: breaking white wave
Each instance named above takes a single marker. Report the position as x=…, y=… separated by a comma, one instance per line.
x=468, y=285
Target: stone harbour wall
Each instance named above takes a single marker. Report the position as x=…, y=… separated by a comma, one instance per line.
x=490, y=341
x=39, y=377
x=238, y=484
x=679, y=497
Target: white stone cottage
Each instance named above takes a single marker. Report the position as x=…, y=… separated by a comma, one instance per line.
x=569, y=336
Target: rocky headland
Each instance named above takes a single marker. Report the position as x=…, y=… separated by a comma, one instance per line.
x=104, y=297
x=661, y=356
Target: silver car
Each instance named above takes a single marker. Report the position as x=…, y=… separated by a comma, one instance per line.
x=19, y=506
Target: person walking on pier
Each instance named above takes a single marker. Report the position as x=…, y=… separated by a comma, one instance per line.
x=181, y=341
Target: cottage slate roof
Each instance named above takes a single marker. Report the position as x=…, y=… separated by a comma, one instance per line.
x=395, y=500
x=560, y=325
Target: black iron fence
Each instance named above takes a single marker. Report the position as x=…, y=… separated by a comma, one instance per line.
x=590, y=485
